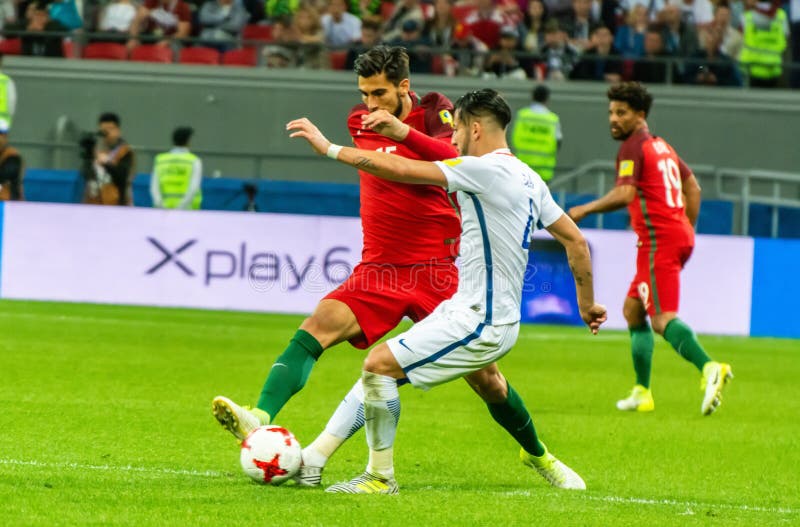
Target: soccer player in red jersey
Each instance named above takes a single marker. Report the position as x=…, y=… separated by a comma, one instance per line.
x=411, y=235
x=663, y=200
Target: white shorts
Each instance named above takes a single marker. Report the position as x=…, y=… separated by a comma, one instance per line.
x=450, y=343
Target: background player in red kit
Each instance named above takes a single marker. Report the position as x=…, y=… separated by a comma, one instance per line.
x=411, y=235
x=663, y=200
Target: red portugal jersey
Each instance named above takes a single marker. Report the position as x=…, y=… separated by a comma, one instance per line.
x=405, y=224
x=657, y=212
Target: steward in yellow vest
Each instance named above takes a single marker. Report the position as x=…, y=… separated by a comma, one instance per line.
x=536, y=135
x=764, y=42
x=8, y=100
x=177, y=175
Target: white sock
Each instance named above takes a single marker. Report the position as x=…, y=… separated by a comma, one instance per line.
x=345, y=421
x=382, y=412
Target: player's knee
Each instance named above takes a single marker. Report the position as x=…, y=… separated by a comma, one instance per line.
x=492, y=388
x=633, y=314
x=660, y=322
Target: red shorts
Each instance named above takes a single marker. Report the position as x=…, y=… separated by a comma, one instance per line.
x=380, y=295
x=658, y=278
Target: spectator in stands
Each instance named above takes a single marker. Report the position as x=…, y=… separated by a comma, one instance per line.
x=116, y=19
x=485, y=22
x=629, y=39
x=404, y=11
x=340, y=27
x=418, y=47
x=278, y=9
x=765, y=35
x=558, y=8
x=8, y=100
x=794, y=18
x=731, y=37
x=221, y=21
x=306, y=32
x=281, y=53
x=558, y=55
x=680, y=36
x=579, y=23
x=8, y=13
x=512, y=14
x=439, y=29
x=65, y=12
x=698, y=13
x=712, y=67
x=11, y=169
x=600, y=61
x=534, y=26
x=503, y=62
x=370, y=36
x=45, y=36
x=654, y=66
x=256, y=9
x=110, y=173
x=177, y=175
x=652, y=7
x=161, y=21
x=467, y=53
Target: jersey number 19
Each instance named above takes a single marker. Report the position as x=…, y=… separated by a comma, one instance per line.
x=671, y=175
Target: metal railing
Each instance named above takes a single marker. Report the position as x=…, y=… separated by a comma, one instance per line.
x=752, y=187
x=781, y=185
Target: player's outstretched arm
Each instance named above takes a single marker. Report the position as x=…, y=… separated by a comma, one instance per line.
x=428, y=148
x=567, y=234
x=616, y=198
x=691, y=196
x=386, y=166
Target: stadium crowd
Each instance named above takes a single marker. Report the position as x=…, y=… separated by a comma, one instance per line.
x=706, y=42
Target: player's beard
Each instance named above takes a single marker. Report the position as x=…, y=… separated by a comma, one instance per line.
x=398, y=111
x=622, y=136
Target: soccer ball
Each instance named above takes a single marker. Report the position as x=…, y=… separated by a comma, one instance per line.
x=271, y=455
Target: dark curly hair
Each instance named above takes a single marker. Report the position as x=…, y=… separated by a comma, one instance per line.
x=391, y=60
x=633, y=93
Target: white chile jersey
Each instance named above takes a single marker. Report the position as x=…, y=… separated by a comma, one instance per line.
x=501, y=201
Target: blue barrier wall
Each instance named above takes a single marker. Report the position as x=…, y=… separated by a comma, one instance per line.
x=775, y=288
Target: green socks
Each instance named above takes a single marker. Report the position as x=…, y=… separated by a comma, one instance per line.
x=642, y=350
x=289, y=373
x=514, y=417
x=685, y=342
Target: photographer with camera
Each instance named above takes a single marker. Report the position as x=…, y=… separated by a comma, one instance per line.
x=177, y=175
x=108, y=165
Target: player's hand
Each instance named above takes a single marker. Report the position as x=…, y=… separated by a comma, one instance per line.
x=577, y=213
x=385, y=124
x=306, y=129
x=594, y=317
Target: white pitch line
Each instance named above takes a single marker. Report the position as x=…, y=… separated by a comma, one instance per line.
x=110, y=468
x=673, y=503
x=217, y=474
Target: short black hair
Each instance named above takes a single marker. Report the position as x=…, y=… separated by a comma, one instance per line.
x=391, y=60
x=541, y=93
x=633, y=93
x=181, y=135
x=482, y=103
x=109, y=117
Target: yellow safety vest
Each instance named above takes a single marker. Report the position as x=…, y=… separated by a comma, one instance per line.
x=174, y=173
x=4, y=110
x=763, y=49
x=535, y=142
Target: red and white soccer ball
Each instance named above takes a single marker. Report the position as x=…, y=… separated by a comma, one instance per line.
x=271, y=455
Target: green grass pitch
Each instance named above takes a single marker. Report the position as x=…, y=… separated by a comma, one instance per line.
x=106, y=420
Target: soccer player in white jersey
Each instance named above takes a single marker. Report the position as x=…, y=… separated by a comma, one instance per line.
x=501, y=201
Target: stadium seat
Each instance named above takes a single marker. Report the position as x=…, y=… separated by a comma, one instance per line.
x=198, y=55
x=460, y=12
x=716, y=217
x=68, y=48
x=105, y=51
x=387, y=8
x=240, y=57
x=11, y=46
x=338, y=59
x=152, y=53
x=258, y=32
